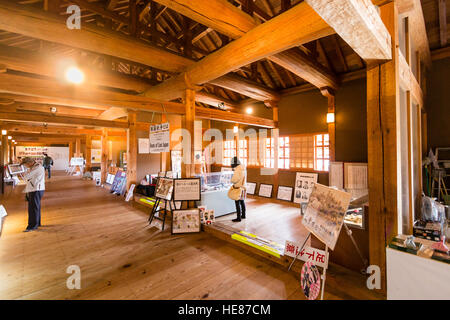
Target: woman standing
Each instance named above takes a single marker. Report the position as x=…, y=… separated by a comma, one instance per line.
x=237, y=190
x=34, y=191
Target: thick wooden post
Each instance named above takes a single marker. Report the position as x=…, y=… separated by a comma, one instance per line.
x=131, y=149
x=383, y=155
x=104, y=163
x=275, y=136
x=78, y=147
x=188, y=166
x=88, y=152
x=70, y=150
x=4, y=139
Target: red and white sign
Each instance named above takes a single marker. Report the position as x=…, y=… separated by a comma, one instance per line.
x=316, y=256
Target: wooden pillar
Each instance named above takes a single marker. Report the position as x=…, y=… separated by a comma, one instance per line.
x=330, y=95
x=104, y=163
x=10, y=151
x=275, y=136
x=131, y=149
x=382, y=112
x=78, y=147
x=188, y=166
x=4, y=140
x=70, y=150
x=88, y=152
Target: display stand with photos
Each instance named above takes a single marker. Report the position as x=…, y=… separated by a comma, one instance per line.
x=76, y=163
x=163, y=203
x=324, y=217
x=16, y=172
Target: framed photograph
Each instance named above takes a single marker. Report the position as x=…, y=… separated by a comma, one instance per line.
x=208, y=217
x=285, y=193
x=164, y=189
x=186, y=221
x=162, y=174
x=77, y=162
x=304, y=184
x=187, y=189
x=265, y=190
x=251, y=188
x=15, y=169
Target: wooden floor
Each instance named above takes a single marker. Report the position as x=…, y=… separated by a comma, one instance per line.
x=122, y=258
x=270, y=219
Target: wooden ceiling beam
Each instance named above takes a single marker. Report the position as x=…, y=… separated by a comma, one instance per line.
x=215, y=114
x=212, y=100
x=82, y=95
x=42, y=25
x=359, y=24
x=24, y=127
x=26, y=117
x=43, y=108
x=235, y=23
x=278, y=34
x=245, y=87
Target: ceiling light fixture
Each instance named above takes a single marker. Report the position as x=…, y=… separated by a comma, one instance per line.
x=249, y=110
x=74, y=75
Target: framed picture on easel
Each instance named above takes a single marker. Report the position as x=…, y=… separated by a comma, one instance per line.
x=186, y=221
x=164, y=189
x=251, y=188
x=187, y=189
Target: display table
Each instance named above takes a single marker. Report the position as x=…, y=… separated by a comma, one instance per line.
x=411, y=276
x=218, y=201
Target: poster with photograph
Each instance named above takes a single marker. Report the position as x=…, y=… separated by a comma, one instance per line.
x=209, y=217
x=143, y=146
x=284, y=193
x=336, y=175
x=265, y=190
x=109, y=178
x=202, y=210
x=325, y=213
x=186, y=221
x=160, y=138
x=176, y=160
x=186, y=189
x=96, y=156
x=310, y=280
x=251, y=188
x=15, y=169
x=164, y=189
x=304, y=184
x=119, y=183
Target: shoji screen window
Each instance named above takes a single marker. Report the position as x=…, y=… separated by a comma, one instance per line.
x=283, y=153
x=301, y=149
x=321, y=152
x=269, y=157
x=229, y=151
x=243, y=152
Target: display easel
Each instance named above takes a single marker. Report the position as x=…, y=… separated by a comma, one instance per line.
x=156, y=209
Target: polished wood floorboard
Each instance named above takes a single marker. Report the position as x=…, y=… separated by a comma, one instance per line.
x=122, y=258
x=274, y=220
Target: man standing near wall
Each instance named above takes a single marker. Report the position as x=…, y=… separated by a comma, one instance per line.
x=48, y=162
